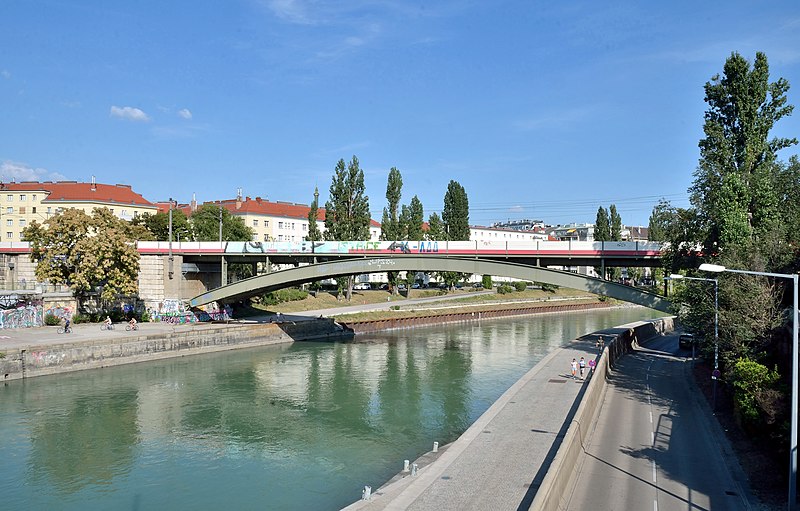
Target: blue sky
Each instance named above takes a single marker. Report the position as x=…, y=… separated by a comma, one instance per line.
x=541, y=110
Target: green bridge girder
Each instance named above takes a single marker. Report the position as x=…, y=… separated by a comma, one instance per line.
x=314, y=272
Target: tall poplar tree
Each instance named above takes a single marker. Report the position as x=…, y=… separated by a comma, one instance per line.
x=733, y=191
x=602, y=225
x=347, y=209
x=314, y=234
x=390, y=223
x=455, y=214
x=616, y=223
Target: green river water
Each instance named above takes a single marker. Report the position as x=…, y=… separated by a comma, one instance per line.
x=295, y=427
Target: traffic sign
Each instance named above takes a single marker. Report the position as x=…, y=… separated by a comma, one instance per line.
x=715, y=374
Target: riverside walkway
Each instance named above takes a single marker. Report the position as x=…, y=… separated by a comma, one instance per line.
x=500, y=461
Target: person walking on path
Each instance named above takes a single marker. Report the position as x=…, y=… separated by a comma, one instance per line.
x=582, y=365
x=574, y=368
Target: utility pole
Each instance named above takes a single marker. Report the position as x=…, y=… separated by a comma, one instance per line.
x=171, y=260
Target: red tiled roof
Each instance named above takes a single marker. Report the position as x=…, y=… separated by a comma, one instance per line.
x=259, y=206
x=72, y=191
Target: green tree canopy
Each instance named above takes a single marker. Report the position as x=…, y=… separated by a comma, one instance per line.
x=158, y=225
x=411, y=220
x=314, y=234
x=435, y=228
x=390, y=223
x=616, y=223
x=86, y=252
x=602, y=225
x=455, y=214
x=205, y=224
x=347, y=209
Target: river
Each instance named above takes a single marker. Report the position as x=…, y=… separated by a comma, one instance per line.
x=295, y=427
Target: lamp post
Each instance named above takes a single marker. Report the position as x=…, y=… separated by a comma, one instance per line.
x=793, y=446
x=715, y=374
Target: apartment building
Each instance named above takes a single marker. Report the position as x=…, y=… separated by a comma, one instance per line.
x=22, y=203
x=276, y=221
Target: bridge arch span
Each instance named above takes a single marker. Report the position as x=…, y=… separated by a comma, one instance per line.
x=321, y=271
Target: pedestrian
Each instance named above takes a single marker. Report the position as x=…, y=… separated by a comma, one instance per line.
x=582, y=365
x=574, y=368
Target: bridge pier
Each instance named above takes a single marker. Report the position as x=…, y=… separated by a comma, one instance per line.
x=223, y=275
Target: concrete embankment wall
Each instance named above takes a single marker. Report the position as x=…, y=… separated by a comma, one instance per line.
x=90, y=354
x=551, y=495
x=361, y=327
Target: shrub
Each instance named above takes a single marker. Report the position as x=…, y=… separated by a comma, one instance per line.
x=602, y=298
x=283, y=295
x=395, y=307
x=504, y=289
x=520, y=286
x=79, y=318
x=751, y=382
x=145, y=317
x=487, y=282
x=51, y=320
x=548, y=288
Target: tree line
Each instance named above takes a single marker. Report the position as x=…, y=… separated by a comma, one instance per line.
x=744, y=214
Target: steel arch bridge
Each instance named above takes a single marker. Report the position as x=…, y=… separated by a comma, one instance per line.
x=321, y=271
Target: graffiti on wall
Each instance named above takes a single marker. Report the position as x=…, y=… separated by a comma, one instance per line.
x=59, y=312
x=175, y=311
x=25, y=316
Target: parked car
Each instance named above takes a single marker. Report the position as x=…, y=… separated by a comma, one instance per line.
x=685, y=341
x=361, y=286
x=415, y=285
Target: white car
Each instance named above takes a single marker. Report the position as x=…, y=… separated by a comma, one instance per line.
x=361, y=286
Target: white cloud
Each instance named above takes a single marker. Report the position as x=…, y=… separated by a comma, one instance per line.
x=12, y=171
x=5, y=73
x=185, y=113
x=129, y=113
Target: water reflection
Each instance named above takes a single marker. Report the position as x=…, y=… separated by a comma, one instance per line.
x=288, y=427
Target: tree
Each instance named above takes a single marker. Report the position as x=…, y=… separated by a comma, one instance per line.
x=86, y=252
x=435, y=228
x=455, y=214
x=205, y=224
x=347, y=210
x=411, y=220
x=733, y=191
x=158, y=225
x=455, y=217
x=602, y=225
x=314, y=234
x=390, y=224
x=616, y=223
x=661, y=218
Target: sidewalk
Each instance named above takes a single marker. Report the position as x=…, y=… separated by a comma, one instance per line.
x=499, y=462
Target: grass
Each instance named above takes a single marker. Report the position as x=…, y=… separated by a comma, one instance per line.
x=468, y=301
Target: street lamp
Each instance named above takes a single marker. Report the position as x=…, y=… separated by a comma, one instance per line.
x=793, y=447
x=715, y=374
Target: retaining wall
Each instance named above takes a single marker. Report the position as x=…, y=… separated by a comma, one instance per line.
x=551, y=495
x=61, y=358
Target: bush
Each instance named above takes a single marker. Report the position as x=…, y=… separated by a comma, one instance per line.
x=283, y=295
x=504, y=289
x=520, y=286
x=395, y=307
x=487, y=282
x=751, y=383
x=79, y=318
x=51, y=320
x=548, y=288
x=145, y=317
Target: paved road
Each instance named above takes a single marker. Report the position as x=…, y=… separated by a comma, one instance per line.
x=654, y=446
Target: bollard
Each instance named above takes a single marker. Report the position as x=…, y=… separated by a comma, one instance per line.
x=413, y=469
x=405, y=465
x=435, y=446
x=367, y=493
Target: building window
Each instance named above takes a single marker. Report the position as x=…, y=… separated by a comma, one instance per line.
x=255, y=224
x=292, y=229
x=22, y=222
x=266, y=223
x=48, y=210
x=280, y=225
x=23, y=197
x=9, y=222
x=22, y=210
x=305, y=227
x=33, y=198
x=9, y=235
x=10, y=211
x=10, y=198
x=266, y=237
x=33, y=210
x=280, y=237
